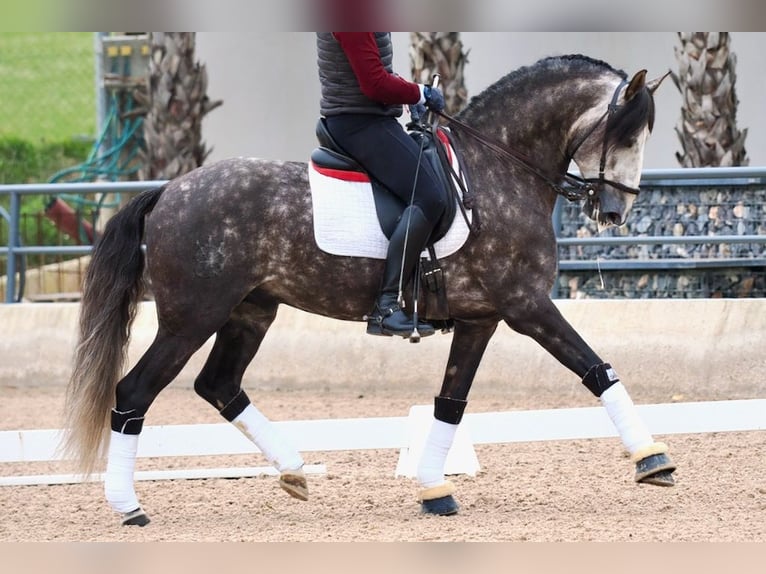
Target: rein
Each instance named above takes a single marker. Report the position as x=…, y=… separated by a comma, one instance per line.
x=574, y=187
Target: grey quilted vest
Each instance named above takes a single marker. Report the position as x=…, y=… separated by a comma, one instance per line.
x=341, y=93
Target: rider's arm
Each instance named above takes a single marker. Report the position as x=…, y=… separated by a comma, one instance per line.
x=374, y=80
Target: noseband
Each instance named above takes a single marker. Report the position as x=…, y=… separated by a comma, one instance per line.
x=573, y=187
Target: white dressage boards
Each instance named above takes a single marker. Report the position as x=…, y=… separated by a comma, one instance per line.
x=404, y=433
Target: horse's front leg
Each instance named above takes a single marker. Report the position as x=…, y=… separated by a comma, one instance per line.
x=468, y=345
x=545, y=324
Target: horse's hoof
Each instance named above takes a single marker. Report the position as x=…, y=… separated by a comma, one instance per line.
x=662, y=478
x=444, y=506
x=135, y=517
x=655, y=469
x=293, y=482
x=438, y=500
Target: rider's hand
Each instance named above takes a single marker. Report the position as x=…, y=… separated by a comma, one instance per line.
x=417, y=112
x=434, y=98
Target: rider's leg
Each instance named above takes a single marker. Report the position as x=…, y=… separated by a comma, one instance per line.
x=404, y=249
x=391, y=156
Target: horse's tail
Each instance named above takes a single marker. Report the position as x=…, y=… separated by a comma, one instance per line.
x=112, y=287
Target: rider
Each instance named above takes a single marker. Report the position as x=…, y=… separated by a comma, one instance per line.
x=361, y=99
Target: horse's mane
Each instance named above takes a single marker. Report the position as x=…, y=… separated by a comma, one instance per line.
x=622, y=125
x=576, y=63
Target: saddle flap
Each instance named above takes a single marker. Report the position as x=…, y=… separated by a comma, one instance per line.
x=436, y=151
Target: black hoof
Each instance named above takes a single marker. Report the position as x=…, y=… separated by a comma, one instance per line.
x=444, y=506
x=135, y=517
x=655, y=469
x=662, y=478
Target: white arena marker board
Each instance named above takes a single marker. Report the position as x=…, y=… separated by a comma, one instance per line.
x=175, y=474
x=407, y=433
x=593, y=422
x=223, y=439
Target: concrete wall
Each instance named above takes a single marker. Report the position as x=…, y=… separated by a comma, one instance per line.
x=269, y=83
x=669, y=346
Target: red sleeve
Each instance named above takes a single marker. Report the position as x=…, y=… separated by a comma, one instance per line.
x=374, y=80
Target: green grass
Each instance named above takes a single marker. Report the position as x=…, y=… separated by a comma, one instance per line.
x=47, y=86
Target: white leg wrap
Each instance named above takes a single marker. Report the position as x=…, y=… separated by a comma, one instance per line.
x=118, y=480
x=634, y=434
x=259, y=429
x=438, y=443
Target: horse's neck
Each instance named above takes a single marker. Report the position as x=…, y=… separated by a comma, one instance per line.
x=540, y=134
x=542, y=141
x=497, y=180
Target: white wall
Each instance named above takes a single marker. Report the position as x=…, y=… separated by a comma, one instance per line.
x=655, y=347
x=269, y=84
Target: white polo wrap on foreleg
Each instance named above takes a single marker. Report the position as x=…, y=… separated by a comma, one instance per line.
x=623, y=413
x=434, y=457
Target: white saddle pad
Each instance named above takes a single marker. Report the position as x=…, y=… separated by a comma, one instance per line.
x=345, y=220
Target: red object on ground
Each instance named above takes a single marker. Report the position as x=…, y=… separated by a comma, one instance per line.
x=65, y=219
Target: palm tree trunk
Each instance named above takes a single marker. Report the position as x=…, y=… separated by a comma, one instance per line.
x=440, y=53
x=177, y=103
x=706, y=76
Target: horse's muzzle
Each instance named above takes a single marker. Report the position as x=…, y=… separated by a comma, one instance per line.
x=611, y=215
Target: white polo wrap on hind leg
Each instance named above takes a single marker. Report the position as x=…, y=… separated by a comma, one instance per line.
x=264, y=434
x=118, y=479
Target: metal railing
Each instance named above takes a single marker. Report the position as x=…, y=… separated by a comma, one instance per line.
x=16, y=191
x=743, y=184
x=698, y=177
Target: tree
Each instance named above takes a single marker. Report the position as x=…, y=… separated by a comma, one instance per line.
x=442, y=53
x=706, y=77
x=176, y=104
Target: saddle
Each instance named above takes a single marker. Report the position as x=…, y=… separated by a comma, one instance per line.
x=351, y=202
x=388, y=206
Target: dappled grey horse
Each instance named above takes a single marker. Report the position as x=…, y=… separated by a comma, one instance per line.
x=227, y=243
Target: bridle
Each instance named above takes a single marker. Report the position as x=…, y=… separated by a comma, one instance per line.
x=573, y=187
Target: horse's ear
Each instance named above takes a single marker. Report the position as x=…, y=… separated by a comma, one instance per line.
x=636, y=84
x=654, y=84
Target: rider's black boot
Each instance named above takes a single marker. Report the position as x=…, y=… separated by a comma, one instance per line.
x=388, y=318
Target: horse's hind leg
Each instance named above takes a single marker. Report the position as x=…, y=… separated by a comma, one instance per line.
x=549, y=328
x=219, y=383
x=135, y=393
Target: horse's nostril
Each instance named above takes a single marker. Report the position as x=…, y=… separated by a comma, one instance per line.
x=612, y=218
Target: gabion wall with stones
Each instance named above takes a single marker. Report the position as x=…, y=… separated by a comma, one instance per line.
x=671, y=211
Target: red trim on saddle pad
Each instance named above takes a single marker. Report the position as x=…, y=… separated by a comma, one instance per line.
x=342, y=174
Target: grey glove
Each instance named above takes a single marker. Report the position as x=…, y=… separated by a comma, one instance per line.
x=417, y=112
x=434, y=98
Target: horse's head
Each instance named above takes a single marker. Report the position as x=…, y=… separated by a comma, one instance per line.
x=610, y=154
